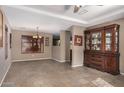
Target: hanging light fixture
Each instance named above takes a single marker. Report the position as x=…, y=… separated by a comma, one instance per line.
x=37, y=36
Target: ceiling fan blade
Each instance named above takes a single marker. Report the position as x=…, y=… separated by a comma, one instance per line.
x=76, y=8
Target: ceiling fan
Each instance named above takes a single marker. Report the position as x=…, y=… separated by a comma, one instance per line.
x=77, y=7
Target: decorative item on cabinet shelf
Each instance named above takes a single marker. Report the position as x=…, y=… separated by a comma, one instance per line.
x=78, y=39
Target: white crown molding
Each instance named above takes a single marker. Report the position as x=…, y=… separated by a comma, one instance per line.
x=95, y=21
x=29, y=30
x=22, y=28
x=48, y=14
x=108, y=17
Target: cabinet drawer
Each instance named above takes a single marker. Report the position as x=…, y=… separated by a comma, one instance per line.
x=97, y=57
x=95, y=60
x=97, y=66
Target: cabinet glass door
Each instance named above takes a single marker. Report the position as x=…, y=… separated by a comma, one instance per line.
x=88, y=41
x=116, y=41
x=96, y=41
x=108, y=39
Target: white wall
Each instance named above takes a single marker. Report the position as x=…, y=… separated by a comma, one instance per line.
x=67, y=45
x=77, y=51
x=59, y=52
x=16, y=47
x=4, y=63
x=56, y=53
x=62, y=46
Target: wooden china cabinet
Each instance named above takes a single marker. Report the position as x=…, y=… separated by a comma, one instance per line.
x=102, y=48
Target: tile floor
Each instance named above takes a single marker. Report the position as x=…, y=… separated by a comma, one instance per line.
x=49, y=73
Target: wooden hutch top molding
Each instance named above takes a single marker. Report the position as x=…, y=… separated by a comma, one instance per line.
x=103, y=28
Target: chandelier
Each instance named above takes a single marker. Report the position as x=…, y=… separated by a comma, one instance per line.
x=37, y=36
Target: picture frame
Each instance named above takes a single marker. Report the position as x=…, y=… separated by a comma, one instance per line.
x=1, y=29
x=78, y=39
x=6, y=42
x=31, y=45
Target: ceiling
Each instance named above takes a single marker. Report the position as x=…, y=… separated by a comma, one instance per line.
x=56, y=18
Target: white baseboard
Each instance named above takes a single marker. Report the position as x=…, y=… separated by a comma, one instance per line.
x=5, y=75
x=122, y=73
x=58, y=60
x=31, y=59
x=77, y=65
x=40, y=59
